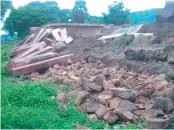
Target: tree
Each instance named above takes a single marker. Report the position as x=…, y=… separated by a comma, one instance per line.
x=50, y=8
x=33, y=14
x=116, y=14
x=80, y=11
x=20, y=20
x=65, y=16
x=94, y=19
x=146, y=16
x=5, y=5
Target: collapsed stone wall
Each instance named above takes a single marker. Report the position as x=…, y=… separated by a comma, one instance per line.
x=113, y=94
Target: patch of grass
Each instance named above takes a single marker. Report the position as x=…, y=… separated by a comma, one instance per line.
x=28, y=105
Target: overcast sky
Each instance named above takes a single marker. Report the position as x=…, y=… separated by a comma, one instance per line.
x=96, y=7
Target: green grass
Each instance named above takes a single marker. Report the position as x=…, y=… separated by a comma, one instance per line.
x=28, y=105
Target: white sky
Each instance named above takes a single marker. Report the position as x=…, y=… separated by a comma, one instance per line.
x=96, y=7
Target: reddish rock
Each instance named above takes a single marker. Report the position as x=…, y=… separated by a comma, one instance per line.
x=101, y=111
x=114, y=103
x=105, y=96
x=126, y=105
x=108, y=84
x=62, y=97
x=116, y=82
x=110, y=117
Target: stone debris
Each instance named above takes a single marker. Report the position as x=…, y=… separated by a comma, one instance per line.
x=113, y=93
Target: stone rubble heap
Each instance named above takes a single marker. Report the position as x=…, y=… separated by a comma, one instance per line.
x=112, y=94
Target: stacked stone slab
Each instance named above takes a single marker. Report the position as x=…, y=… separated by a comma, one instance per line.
x=40, y=50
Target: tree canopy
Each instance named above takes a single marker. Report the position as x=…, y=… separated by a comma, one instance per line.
x=117, y=14
x=79, y=11
x=146, y=16
x=33, y=14
x=5, y=5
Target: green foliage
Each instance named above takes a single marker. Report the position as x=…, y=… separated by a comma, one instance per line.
x=147, y=16
x=33, y=14
x=94, y=19
x=65, y=16
x=79, y=11
x=50, y=8
x=21, y=19
x=5, y=5
x=117, y=14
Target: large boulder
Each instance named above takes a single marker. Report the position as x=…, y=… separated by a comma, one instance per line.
x=157, y=123
x=164, y=103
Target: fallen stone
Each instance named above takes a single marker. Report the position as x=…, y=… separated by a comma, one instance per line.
x=91, y=107
x=108, y=84
x=157, y=123
x=127, y=95
x=116, y=82
x=126, y=105
x=92, y=117
x=99, y=80
x=110, y=117
x=60, y=46
x=114, y=103
x=166, y=104
x=82, y=96
x=62, y=97
x=105, y=96
x=101, y=111
x=125, y=115
x=90, y=86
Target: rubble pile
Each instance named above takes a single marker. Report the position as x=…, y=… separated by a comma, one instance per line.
x=112, y=94
x=41, y=49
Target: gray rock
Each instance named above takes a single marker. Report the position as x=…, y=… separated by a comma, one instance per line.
x=125, y=115
x=99, y=80
x=59, y=46
x=157, y=123
x=166, y=104
x=127, y=95
x=169, y=93
x=91, y=107
x=90, y=86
